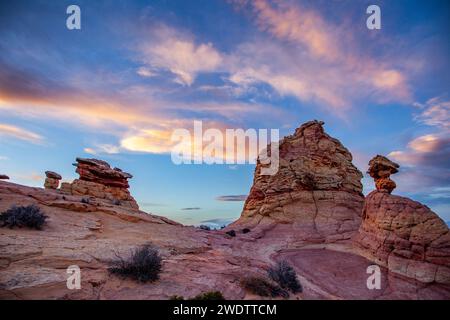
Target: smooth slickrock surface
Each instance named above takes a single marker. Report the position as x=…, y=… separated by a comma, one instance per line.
x=406, y=237
x=306, y=214
x=316, y=196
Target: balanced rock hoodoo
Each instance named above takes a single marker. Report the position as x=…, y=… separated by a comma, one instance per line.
x=401, y=234
x=99, y=180
x=52, y=180
x=316, y=195
x=380, y=169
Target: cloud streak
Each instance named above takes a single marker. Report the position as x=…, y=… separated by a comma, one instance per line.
x=427, y=157
x=10, y=131
x=240, y=197
x=180, y=55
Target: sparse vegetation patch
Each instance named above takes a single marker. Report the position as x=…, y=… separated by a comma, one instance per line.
x=143, y=265
x=23, y=216
x=283, y=274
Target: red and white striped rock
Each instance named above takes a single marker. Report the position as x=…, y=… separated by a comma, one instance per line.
x=406, y=237
x=316, y=195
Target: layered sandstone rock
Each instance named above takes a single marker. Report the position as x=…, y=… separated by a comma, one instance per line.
x=100, y=171
x=316, y=195
x=33, y=263
x=52, y=180
x=403, y=235
x=380, y=169
x=99, y=180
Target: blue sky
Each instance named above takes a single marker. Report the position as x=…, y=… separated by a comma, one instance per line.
x=136, y=70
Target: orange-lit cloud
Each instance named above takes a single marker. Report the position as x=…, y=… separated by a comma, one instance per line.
x=180, y=55
x=298, y=25
x=318, y=62
x=10, y=131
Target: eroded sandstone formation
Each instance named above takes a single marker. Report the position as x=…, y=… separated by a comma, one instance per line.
x=380, y=169
x=99, y=180
x=52, y=180
x=100, y=171
x=298, y=214
x=401, y=234
x=316, y=195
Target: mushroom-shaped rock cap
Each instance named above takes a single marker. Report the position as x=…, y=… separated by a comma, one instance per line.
x=4, y=177
x=381, y=167
x=101, y=172
x=53, y=175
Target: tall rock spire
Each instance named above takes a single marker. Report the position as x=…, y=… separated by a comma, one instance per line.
x=317, y=191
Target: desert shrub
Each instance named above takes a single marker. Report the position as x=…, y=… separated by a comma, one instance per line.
x=85, y=200
x=143, y=265
x=210, y=295
x=231, y=233
x=245, y=230
x=283, y=274
x=263, y=287
x=205, y=227
x=116, y=202
x=23, y=216
x=176, y=297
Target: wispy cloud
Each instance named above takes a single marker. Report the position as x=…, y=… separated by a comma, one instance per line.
x=313, y=55
x=7, y=130
x=173, y=51
x=240, y=197
x=435, y=112
x=102, y=149
x=145, y=72
x=190, y=208
x=427, y=157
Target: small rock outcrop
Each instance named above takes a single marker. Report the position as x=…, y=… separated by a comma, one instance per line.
x=380, y=169
x=99, y=180
x=100, y=171
x=316, y=195
x=401, y=234
x=4, y=177
x=52, y=180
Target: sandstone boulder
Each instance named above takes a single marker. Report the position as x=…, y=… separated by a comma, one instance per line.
x=52, y=180
x=100, y=171
x=401, y=234
x=99, y=180
x=316, y=195
x=406, y=237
